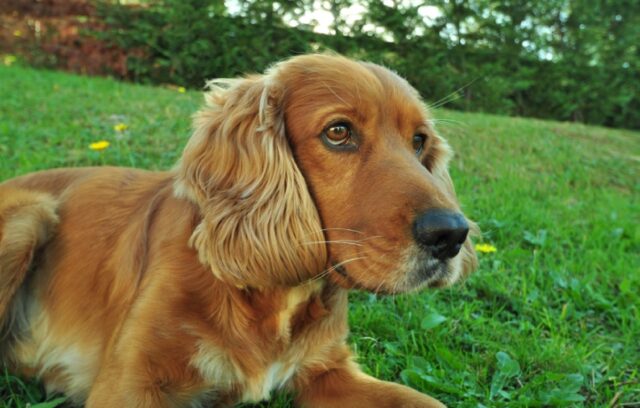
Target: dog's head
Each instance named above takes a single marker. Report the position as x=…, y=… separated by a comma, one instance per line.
x=323, y=165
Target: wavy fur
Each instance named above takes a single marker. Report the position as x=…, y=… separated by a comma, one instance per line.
x=239, y=170
x=226, y=278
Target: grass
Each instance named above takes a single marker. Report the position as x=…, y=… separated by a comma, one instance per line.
x=550, y=319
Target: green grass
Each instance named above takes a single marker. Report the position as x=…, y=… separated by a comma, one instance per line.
x=551, y=319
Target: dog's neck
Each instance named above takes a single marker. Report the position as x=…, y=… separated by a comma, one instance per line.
x=241, y=310
x=282, y=311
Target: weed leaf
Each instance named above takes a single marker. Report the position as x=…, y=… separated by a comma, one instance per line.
x=567, y=391
x=506, y=369
x=432, y=320
x=536, y=240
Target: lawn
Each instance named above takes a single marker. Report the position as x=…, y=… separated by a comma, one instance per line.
x=552, y=318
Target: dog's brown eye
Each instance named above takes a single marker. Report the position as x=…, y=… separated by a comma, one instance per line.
x=418, y=143
x=338, y=135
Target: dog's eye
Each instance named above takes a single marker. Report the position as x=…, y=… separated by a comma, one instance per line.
x=418, y=143
x=338, y=135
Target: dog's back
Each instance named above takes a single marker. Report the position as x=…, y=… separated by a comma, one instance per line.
x=103, y=213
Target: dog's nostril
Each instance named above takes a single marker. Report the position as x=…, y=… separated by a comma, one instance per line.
x=440, y=231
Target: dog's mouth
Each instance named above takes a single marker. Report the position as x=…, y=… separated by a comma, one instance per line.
x=421, y=273
x=345, y=279
x=340, y=269
x=432, y=275
x=343, y=276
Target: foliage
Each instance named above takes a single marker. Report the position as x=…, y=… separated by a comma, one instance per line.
x=562, y=59
x=552, y=318
x=188, y=42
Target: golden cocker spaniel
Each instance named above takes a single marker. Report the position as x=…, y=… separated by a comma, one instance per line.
x=226, y=277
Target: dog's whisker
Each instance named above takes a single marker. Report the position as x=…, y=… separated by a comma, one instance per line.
x=334, y=93
x=394, y=291
x=365, y=239
x=452, y=97
x=376, y=290
x=368, y=238
x=447, y=121
x=342, y=263
x=331, y=269
x=357, y=242
x=333, y=242
x=342, y=229
x=371, y=281
x=455, y=95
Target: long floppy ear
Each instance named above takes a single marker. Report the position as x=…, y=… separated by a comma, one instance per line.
x=438, y=160
x=260, y=226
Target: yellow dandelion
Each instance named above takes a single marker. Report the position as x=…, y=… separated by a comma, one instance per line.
x=182, y=89
x=120, y=127
x=486, y=248
x=17, y=33
x=99, y=145
x=8, y=60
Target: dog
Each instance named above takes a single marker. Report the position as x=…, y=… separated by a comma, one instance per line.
x=226, y=277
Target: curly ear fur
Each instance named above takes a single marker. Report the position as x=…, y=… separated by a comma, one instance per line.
x=260, y=226
x=439, y=159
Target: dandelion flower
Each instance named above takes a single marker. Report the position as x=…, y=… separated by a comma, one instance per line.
x=17, y=33
x=99, y=145
x=120, y=127
x=486, y=248
x=8, y=60
x=182, y=89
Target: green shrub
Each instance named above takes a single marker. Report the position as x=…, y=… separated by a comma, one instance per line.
x=186, y=42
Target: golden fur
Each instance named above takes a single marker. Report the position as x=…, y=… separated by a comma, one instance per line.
x=226, y=278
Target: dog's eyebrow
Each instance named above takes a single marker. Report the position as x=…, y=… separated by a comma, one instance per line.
x=330, y=114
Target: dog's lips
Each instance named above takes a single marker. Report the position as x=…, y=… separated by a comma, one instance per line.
x=344, y=278
x=420, y=270
x=430, y=271
x=336, y=266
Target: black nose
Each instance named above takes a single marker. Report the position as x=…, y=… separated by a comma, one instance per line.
x=441, y=231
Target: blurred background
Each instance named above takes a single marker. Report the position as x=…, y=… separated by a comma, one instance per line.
x=571, y=60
